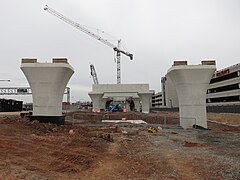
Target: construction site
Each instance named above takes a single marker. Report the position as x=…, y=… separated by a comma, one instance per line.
x=87, y=148
x=188, y=130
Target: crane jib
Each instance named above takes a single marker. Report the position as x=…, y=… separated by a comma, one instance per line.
x=126, y=53
x=97, y=37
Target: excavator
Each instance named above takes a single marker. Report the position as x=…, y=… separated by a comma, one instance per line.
x=114, y=107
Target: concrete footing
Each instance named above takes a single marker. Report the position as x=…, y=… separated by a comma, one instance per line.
x=59, y=120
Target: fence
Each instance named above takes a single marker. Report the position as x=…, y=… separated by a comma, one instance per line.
x=166, y=109
x=213, y=109
x=149, y=118
x=87, y=116
x=224, y=109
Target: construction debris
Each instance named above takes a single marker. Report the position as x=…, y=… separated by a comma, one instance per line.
x=153, y=130
x=71, y=132
x=107, y=137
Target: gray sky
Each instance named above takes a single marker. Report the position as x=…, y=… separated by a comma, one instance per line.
x=155, y=31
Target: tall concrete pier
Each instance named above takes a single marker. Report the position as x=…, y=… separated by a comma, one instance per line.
x=191, y=82
x=47, y=82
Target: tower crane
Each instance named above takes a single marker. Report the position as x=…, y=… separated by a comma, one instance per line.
x=97, y=37
x=93, y=74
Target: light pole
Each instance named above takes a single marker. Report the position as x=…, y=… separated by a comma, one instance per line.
x=8, y=80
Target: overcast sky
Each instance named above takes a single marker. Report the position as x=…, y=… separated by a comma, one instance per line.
x=155, y=31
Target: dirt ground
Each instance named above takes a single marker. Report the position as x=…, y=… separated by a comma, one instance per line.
x=32, y=150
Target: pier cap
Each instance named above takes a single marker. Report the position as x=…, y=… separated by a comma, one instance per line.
x=179, y=62
x=208, y=62
x=29, y=60
x=59, y=60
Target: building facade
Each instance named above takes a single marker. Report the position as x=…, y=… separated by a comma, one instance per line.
x=157, y=100
x=224, y=87
x=10, y=105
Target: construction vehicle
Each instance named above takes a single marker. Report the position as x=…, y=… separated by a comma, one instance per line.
x=153, y=130
x=114, y=107
x=97, y=37
x=93, y=74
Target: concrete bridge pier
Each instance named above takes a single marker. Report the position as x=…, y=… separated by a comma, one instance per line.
x=47, y=82
x=191, y=82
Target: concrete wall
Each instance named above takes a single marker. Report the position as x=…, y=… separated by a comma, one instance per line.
x=47, y=82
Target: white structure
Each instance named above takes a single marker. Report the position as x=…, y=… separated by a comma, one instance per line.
x=191, y=83
x=170, y=94
x=137, y=95
x=47, y=82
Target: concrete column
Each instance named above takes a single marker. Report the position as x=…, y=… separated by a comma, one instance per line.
x=136, y=104
x=145, y=98
x=191, y=82
x=127, y=106
x=47, y=82
x=171, y=93
x=98, y=101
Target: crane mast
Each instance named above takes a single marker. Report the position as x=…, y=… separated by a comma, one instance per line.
x=93, y=74
x=97, y=37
